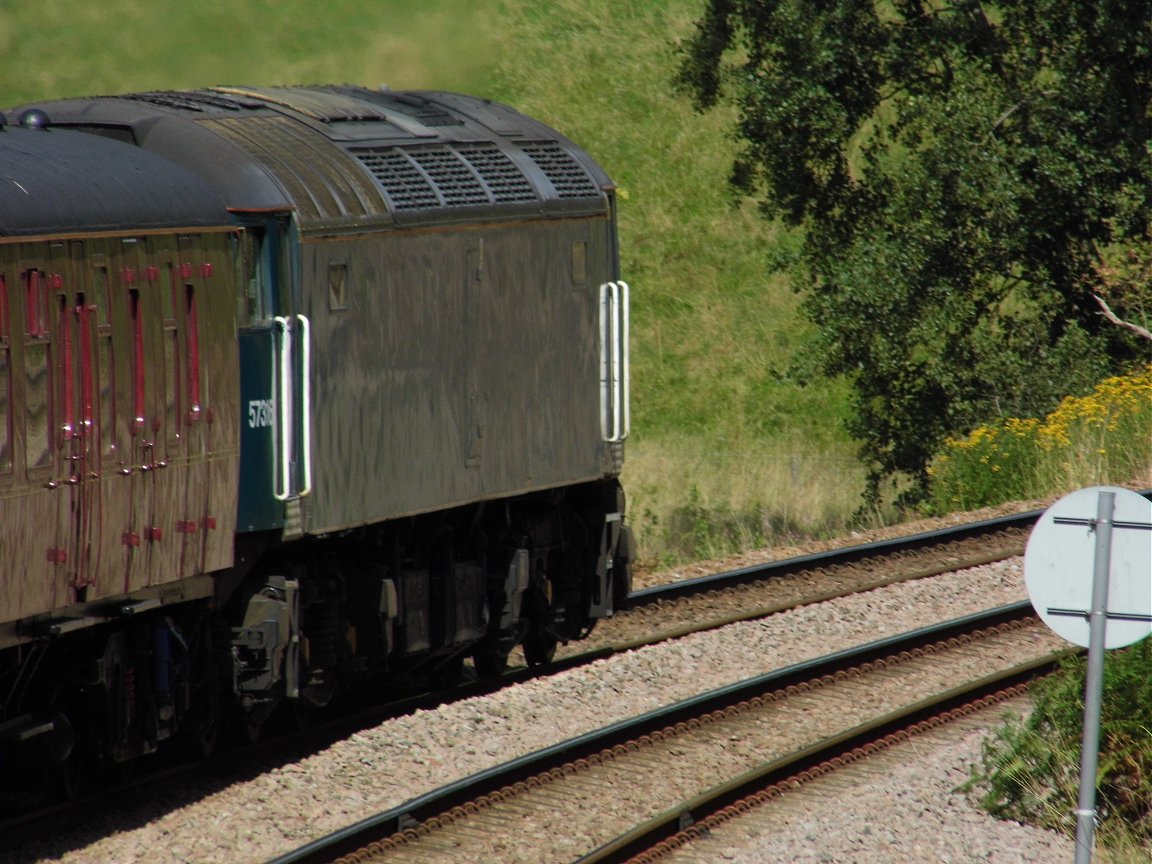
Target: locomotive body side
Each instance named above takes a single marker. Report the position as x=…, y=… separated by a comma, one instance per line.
x=459, y=365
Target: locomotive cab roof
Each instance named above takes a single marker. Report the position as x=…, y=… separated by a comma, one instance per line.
x=349, y=158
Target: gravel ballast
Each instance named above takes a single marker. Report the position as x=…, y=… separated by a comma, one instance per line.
x=901, y=807
x=382, y=767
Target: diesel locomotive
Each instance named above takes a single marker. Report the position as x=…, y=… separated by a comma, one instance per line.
x=304, y=391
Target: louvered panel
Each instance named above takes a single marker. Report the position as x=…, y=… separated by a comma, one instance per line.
x=506, y=183
x=456, y=182
x=450, y=175
x=566, y=174
x=191, y=100
x=405, y=185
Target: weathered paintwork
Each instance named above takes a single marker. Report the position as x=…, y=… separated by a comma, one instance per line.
x=442, y=261
x=105, y=490
x=302, y=390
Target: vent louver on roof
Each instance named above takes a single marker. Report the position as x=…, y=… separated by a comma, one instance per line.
x=405, y=185
x=422, y=110
x=504, y=180
x=456, y=182
x=470, y=174
x=191, y=100
x=564, y=172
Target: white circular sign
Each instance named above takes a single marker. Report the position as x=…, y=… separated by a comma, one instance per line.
x=1060, y=561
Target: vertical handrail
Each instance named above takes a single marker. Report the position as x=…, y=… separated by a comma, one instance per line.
x=306, y=402
x=605, y=362
x=615, y=362
x=284, y=409
x=626, y=360
x=616, y=409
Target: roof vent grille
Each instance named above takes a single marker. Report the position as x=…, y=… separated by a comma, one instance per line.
x=561, y=168
x=457, y=184
x=506, y=183
x=191, y=100
x=463, y=175
x=405, y=185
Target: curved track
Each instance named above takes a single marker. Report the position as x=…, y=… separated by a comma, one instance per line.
x=663, y=757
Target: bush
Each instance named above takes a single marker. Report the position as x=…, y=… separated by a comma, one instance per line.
x=1030, y=770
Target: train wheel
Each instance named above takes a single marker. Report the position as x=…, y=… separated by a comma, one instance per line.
x=61, y=770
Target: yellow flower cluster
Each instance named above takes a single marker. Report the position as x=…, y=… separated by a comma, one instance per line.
x=1105, y=436
x=1113, y=400
x=1105, y=408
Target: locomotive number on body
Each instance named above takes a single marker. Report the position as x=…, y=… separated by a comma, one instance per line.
x=261, y=413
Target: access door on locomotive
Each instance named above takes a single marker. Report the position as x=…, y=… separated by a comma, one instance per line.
x=275, y=358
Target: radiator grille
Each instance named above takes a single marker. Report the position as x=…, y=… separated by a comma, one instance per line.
x=565, y=173
x=470, y=175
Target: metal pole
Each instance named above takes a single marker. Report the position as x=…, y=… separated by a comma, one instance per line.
x=1094, y=685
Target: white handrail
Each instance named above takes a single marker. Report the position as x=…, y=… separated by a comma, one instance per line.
x=605, y=363
x=306, y=401
x=626, y=364
x=616, y=409
x=284, y=410
x=615, y=362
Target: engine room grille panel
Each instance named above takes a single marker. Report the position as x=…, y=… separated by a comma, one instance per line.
x=464, y=175
x=506, y=183
x=191, y=100
x=562, y=170
x=450, y=175
x=405, y=185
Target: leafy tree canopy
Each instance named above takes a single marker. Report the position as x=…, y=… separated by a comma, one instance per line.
x=964, y=174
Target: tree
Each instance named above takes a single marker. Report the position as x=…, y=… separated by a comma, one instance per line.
x=959, y=172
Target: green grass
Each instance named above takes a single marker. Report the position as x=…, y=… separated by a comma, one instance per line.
x=58, y=48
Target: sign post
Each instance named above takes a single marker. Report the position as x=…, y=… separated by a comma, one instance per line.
x=1120, y=591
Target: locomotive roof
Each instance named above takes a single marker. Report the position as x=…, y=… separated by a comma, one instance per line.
x=349, y=158
x=55, y=181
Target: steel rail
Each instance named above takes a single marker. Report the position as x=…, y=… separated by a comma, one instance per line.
x=427, y=807
x=834, y=557
x=690, y=819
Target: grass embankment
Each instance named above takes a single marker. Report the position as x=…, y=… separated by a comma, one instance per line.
x=75, y=48
x=728, y=449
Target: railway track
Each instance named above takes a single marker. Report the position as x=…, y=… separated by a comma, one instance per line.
x=656, y=614
x=676, y=609
x=679, y=764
